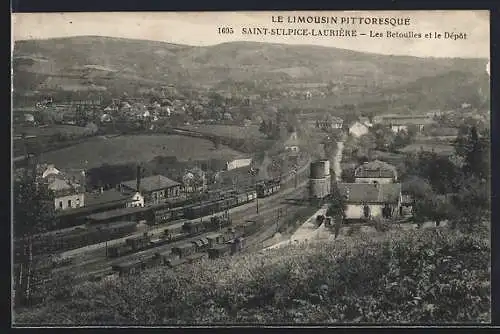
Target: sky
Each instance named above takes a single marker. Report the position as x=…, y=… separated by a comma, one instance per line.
x=201, y=28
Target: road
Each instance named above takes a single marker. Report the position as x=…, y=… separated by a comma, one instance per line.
x=337, y=159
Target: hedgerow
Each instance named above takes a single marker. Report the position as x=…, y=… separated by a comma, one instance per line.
x=423, y=276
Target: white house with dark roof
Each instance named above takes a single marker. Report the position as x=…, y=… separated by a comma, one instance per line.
x=68, y=190
x=292, y=143
x=370, y=200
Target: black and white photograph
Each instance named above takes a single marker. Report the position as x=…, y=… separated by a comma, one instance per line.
x=266, y=168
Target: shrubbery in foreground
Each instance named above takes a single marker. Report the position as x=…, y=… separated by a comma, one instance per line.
x=428, y=276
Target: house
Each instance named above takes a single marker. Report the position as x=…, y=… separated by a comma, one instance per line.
x=329, y=122
x=29, y=118
x=155, y=189
x=137, y=200
x=366, y=121
x=358, y=129
x=107, y=199
x=68, y=191
x=66, y=194
x=292, y=143
x=399, y=123
x=375, y=172
x=238, y=163
x=369, y=200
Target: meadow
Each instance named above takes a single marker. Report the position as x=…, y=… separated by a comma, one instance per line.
x=233, y=131
x=101, y=150
x=439, y=148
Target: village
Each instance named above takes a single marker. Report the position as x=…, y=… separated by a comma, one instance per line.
x=247, y=182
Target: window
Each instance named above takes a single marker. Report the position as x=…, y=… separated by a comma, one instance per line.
x=69, y=203
x=60, y=204
x=77, y=202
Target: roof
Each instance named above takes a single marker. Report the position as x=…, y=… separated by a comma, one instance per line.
x=357, y=124
x=292, y=140
x=376, y=168
x=59, y=184
x=118, y=224
x=196, y=256
x=114, y=213
x=370, y=193
x=221, y=247
x=184, y=246
x=128, y=263
x=105, y=197
x=151, y=183
x=408, y=121
x=213, y=235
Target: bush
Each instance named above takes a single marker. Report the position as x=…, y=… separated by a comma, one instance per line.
x=425, y=276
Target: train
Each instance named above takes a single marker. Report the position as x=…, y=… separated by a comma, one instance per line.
x=94, y=227
x=268, y=187
x=170, y=234
x=214, y=245
x=80, y=237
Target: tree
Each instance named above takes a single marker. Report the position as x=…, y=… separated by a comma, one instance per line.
x=472, y=202
x=337, y=205
x=475, y=152
x=439, y=170
x=33, y=214
x=384, y=136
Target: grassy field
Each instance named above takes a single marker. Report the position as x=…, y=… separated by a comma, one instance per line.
x=431, y=276
x=439, y=148
x=233, y=131
x=137, y=148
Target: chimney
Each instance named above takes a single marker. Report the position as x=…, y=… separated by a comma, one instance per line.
x=138, y=178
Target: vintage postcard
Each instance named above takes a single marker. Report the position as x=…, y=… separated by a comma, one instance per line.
x=251, y=168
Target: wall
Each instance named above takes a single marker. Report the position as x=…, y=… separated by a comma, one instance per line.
x=380, y=180
x=238, y=163
x=356, y=211
x=398, y=128
x=80, y=198
x=292, y=148
x=358, y=130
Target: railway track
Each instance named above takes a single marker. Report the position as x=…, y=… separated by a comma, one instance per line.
x=87, y=264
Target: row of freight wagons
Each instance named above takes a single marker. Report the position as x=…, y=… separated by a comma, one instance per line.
x=174, y=232
x=212, y=246
x=205, y=209
x=82, y=236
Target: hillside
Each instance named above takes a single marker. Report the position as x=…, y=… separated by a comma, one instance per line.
x=115, y=64
x=430, y=276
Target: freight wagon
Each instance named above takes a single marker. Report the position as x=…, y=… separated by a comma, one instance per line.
x=267, y=188
x=219, y=251
x=189, y=252
x=81, y=237
x=178, y=231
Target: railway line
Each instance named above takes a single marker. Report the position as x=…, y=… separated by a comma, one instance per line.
x=92, y=260
x=88, y=263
